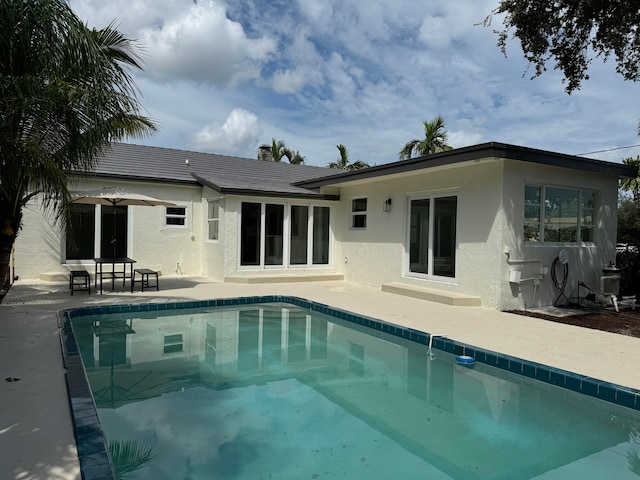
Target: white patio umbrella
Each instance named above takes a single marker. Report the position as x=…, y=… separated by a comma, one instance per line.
x=115, y=196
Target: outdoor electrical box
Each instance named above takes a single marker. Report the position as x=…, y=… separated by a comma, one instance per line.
x=514, y=276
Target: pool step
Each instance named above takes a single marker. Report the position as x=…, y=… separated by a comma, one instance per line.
x=287, y=278
x=440, y=296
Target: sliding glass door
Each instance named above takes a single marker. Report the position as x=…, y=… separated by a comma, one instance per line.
x=278, y=235
x=299, y=234
x=250, y=227
x=274, y=230
x=432, y=236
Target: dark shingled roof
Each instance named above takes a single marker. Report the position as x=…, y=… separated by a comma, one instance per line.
x=247, y=176
x=479, y=152
x=226, y=174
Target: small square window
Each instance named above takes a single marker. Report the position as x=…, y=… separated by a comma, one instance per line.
x=176, y=216
x=173, y=343
x=359, y=213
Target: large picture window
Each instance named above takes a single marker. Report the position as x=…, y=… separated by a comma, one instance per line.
x=556, y=214
x=277, y=235
x=432, y=236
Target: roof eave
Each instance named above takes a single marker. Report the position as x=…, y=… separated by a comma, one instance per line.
x=135, y=178
x=263, y=193
x=474, y=153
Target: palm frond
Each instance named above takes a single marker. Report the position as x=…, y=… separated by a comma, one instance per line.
x=129, y=455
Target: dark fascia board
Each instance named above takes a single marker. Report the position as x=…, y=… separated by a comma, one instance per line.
x=135, y=178
x=479, y=152
x=266, y=193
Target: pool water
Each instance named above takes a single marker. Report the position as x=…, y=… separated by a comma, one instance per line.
x=277, y=391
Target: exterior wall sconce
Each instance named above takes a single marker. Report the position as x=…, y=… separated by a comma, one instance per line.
x=386, y=205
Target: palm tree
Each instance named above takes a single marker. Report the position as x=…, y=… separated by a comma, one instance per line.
x=294, y=157
x=129, y=455
x=435, y=140
x=344, y=164
x=274, y=152
x=632, y=184
x=65, y=93
x=277, y=151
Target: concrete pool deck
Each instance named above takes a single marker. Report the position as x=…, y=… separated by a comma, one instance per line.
x=36, y=434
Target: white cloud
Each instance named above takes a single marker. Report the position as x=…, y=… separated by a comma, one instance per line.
x=290, y=80
x=238, y=135
x=204, y=45
x=185, y=40
x=367, y=74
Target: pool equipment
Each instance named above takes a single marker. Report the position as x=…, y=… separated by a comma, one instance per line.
x=465, y=360
x=609, y=286
x=559, y=278
x=431, y=337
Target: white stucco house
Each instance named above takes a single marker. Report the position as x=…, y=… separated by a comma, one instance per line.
x=480, y=225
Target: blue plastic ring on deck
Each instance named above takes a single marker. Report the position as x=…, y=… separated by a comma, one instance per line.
x=465, y=360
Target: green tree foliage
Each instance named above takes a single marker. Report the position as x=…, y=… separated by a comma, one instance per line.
x=628, y=221
x=434, y=141
x=571, y=33
x=277, y=151
x=129, y=455
x=65, y=93
x=274, y=152
x=632, y=184
x=294, y=157
x=629, y=206
x=343, y=162
x=629, y=231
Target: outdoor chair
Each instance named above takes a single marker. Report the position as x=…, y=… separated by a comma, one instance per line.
x=144, y=273
x=79, y=280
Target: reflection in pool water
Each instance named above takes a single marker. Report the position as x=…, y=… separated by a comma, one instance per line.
x=279, y=391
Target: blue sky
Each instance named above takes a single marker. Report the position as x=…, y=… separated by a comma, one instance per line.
x=225, y=77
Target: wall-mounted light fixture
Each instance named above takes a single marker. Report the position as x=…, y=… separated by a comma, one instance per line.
x=386, y=205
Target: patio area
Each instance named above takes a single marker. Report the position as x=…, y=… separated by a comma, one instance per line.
x=36, y=436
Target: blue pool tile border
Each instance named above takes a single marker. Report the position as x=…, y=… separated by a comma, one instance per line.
x=96, y=463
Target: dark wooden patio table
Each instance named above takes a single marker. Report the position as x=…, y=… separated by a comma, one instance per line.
x=114, y=273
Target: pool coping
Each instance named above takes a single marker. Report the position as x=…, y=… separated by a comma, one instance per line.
x=93, y=454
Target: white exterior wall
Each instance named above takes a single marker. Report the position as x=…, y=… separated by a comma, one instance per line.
x=38, y=244
x=171, y=250
x=377, y=255
x=490, y=221
x=585, y=260
x=490, y=209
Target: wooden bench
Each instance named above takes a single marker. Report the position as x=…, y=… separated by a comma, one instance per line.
x=144, y=273
x=79, y=280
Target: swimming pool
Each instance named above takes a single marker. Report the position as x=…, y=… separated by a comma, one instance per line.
x=278, y=387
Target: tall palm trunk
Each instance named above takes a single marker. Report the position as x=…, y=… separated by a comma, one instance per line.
x=65, y=93
x=7, y=240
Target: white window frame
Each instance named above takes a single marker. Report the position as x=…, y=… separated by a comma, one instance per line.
x=97, y=239
x=213, y=220
x=168, y=215
x=166, y=342
x=579, y=215
x=286, y=236
x=356, y=214
x=432, y=197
